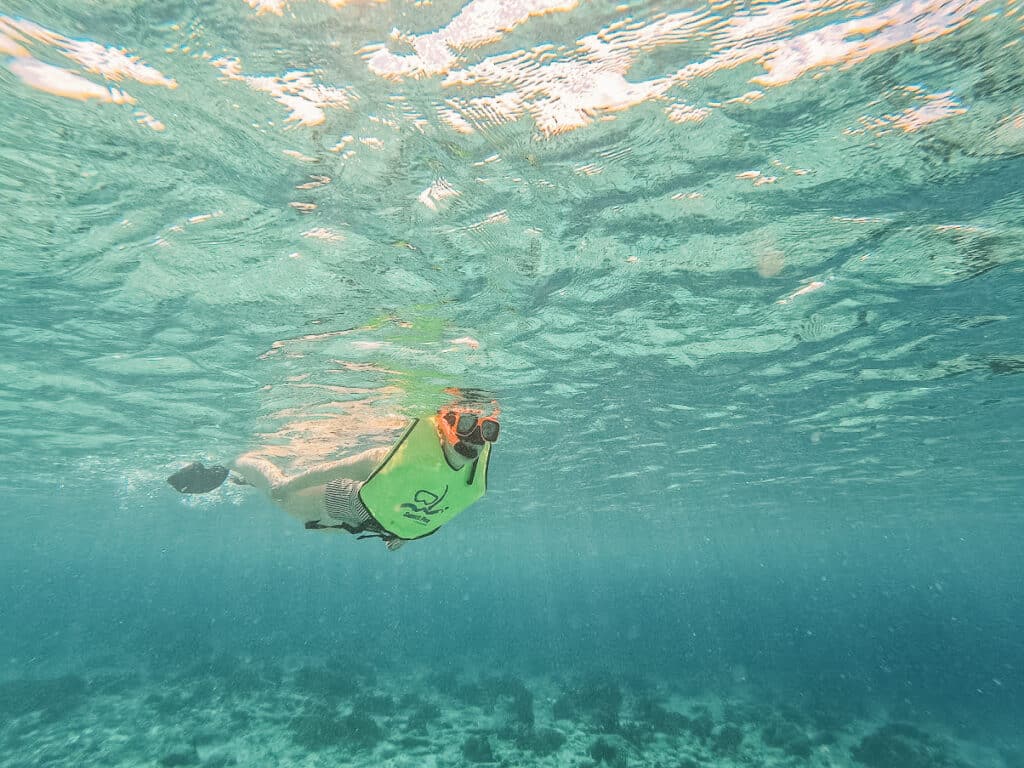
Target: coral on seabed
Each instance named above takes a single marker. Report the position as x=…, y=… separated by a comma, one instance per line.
x=899, y=745
x=598, y=702
x=224, y=712
x=477, y=749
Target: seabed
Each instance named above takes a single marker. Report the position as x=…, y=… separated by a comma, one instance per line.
x=230, y=712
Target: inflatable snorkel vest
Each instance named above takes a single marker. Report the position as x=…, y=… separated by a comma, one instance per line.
x=415, y=491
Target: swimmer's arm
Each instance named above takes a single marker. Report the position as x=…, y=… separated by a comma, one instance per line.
x=356, y=468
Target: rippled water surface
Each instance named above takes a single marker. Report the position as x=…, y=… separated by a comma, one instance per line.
x=745, y=279
x=746, y=248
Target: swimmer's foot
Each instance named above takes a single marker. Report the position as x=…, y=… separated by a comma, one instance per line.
x=197, y=478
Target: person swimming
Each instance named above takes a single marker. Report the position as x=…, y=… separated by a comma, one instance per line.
x=436, y=469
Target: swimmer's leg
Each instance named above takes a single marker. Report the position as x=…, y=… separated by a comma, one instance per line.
x=250, y=469
x=358, y=468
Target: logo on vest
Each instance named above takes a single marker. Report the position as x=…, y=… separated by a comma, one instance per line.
x=424, y=504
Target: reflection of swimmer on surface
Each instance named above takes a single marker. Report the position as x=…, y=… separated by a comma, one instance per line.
x=436, y=469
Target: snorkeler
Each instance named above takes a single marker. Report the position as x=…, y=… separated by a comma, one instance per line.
x=436, y=469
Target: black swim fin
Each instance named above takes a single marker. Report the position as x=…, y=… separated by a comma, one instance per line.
x=196, y=478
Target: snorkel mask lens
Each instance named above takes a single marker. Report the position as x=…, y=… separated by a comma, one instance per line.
x=468, y=423
x=490, y=429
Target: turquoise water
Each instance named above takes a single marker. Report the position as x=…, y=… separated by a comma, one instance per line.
x=744, y=278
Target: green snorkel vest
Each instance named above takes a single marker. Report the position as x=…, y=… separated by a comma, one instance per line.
x=415, y=491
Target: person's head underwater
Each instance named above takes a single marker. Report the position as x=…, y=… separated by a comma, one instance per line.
x=467, y=430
